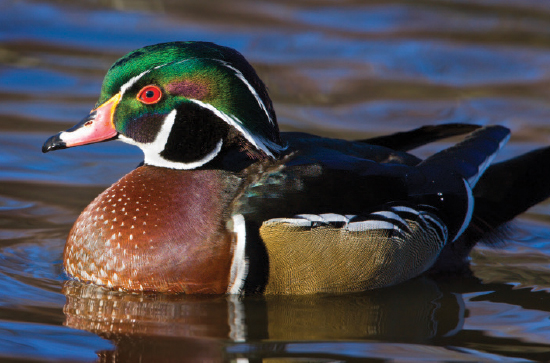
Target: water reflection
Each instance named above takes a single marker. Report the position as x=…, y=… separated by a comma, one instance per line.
x=410, y=318
x=111, y=313
x=415, y=312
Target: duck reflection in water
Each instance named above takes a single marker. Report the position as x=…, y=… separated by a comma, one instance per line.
x=160, y=327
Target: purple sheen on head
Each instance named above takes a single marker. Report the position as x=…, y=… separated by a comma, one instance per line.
x=188, y=89
x=144, y=129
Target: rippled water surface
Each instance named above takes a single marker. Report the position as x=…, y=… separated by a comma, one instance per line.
x=337, y=68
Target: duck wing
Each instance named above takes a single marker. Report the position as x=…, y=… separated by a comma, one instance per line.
x=333, y=221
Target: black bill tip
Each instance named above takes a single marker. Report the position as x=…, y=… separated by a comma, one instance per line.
x=53, y=143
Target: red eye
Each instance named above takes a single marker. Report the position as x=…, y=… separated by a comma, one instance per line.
x=149, y=94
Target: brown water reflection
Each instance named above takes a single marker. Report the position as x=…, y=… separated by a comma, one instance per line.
x=341, y=69
x=217, y=328
x=375, y=314
x=137, y=323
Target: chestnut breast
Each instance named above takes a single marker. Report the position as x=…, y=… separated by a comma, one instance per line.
x=157, y=229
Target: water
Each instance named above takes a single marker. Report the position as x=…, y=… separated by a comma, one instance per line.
x=341, y=69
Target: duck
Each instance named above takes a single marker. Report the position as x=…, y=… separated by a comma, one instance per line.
x=225, y=203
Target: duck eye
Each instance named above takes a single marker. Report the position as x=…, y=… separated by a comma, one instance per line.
x=149, y=95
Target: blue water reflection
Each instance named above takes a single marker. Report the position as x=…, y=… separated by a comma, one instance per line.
x=99, y=29
x=36, y=342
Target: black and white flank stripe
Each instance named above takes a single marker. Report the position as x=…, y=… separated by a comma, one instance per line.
x=400, y=219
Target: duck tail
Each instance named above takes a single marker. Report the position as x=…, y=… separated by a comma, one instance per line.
x=471, y=157
x=450, y=175
x=507, y=189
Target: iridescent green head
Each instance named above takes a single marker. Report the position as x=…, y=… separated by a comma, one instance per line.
x=183, y=104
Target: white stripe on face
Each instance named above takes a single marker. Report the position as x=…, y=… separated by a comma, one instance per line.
x=131, y=82
x=258, y=142
x=250, y=88
x=152, y=150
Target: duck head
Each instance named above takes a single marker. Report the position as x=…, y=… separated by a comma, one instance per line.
x=185, y=104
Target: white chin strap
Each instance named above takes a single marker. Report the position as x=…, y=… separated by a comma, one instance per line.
x=152, y=150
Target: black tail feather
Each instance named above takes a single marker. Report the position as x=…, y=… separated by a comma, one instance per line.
x=513, y=186
x=471, y=157
x=506, y=190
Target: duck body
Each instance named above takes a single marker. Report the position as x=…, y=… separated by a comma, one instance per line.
x=224, y=203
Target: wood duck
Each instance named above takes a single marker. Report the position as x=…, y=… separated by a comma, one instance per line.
x=225, y=203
